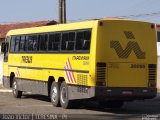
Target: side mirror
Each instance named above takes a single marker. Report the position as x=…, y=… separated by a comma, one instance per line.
x=6, y=47
x=3, y=47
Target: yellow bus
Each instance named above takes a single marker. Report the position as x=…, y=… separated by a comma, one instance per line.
x=110, y=61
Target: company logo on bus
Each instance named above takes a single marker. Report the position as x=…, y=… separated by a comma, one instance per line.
x=131, y=46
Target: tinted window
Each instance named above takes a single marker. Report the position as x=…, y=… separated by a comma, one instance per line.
x=57, y=37
x=12, y=44
x=26, y=43
x=83, y=40
x=71, y=41
x=87, y=39
x=68, y=41
x=43, y=42
x=79, y=40
x=64, y=44
x=22, y=43
x=53, y=44
x=32, y=43
x=17, y=40
x=35, y=43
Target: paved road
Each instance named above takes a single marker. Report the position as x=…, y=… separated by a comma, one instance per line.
x=40, y=105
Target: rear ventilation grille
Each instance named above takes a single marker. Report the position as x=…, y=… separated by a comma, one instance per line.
x=101, y=71
x=129, y=35
x=82, y=79
x=152, y=71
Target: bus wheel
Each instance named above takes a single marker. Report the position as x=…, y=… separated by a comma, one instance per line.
x=15, y=91
x=64, y=99
x=55, y=94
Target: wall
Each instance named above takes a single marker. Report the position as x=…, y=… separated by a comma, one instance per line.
x=1, y=67
x=158, y=66
x=1, y=62
x=158, y=73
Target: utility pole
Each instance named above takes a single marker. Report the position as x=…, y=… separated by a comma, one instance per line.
x=62, y=11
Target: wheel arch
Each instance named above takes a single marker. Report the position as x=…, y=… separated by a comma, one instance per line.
x=12, y=75
x=51, y=79
x=61, y=79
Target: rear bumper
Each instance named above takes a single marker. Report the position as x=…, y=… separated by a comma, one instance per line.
x=124, y=93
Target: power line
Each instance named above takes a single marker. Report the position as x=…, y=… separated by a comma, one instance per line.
x=140, y=15
x=143, y=15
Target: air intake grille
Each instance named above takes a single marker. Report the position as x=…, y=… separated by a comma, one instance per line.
x=101, y=71
x=152, y=71
x=82, y=79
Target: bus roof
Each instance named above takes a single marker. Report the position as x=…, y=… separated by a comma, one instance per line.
x=60, y=27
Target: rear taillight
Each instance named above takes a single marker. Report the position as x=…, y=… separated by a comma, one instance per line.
x=101, y=74
x=152, y=69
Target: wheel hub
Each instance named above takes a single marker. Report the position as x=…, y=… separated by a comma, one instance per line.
x=54, y=94
x=14, y=87
x=63, y=95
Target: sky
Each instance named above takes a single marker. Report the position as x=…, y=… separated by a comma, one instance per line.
x=12, y=11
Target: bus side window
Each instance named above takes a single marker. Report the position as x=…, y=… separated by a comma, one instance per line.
x=35, y=42
x=17, y=40
x=26, y=43
x=68, y=41
x=12, y=44
x=22, y=43
x=53, y=44
x=43, y=42
x=83, y=40
x=79, y=40
x=30, y=43
x=64, y=43
x=86, y=41
x=56, y=44
x=71, y=41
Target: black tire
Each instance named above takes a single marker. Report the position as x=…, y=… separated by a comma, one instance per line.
x=54, y=94
x=111, y=104
x=15, y=91
x=64, y=97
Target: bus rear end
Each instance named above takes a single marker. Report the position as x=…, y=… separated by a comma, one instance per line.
x=126, y=60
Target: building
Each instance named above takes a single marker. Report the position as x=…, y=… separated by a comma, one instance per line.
x=4, y=28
